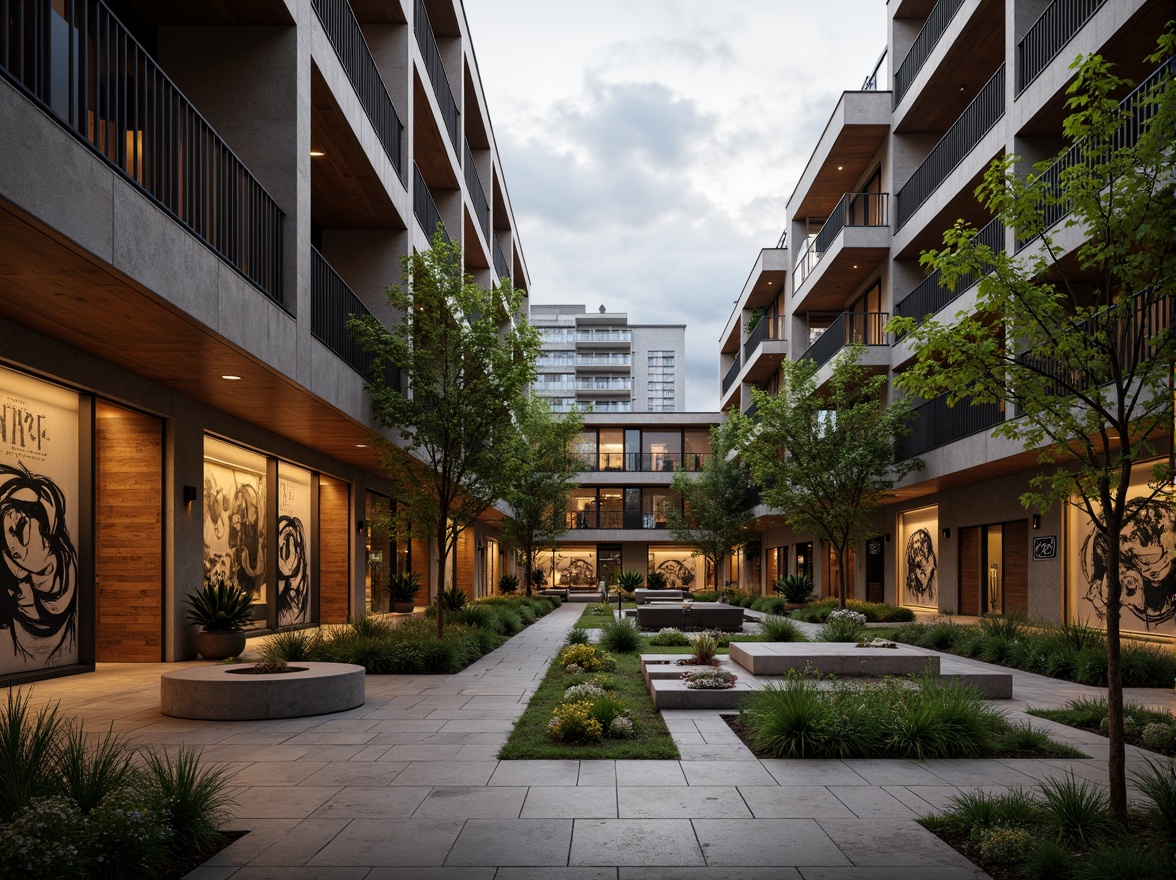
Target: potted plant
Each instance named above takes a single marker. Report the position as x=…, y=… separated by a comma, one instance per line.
x=402, y=590
x=508, y=583
x=630, y=581
x=221, y=610
x=656, y=580
x=795, y=588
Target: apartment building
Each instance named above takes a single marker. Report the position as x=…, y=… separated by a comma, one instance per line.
x=970, y=81
x=599, y=359
x=194, y=198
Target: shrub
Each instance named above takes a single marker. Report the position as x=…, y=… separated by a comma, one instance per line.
x=453, y=599
x=670, y=637
x=1158, y=784
x=1124, y=861
x=1048, y=860
x=875, y=612
x=28, y=745
x=127, y=835
x=979, y=809
x=709, y=679
x=1005, y=846
x=655, y=580
x=780, y=629
x=1076, y=808
x=583, y=691
x=91, y=772
x=788, y=720
x=795, y=588
x=403, y=586
x=370, y=626
x=630, y=580
x=577, y=635
x=843, y=626
x=574, y=723
x=706, y=646
x=292, y=645
x=621, y=636
x=606, y=708
x=706, y=596
x=621, y=727
x=1159, y=736
x=587, y=658
x=45, y=841
x=508, y=583
x=770, y=604
x=1147, y=665
x=1008, y=627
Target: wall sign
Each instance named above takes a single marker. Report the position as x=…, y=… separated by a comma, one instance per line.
x=1045, y=547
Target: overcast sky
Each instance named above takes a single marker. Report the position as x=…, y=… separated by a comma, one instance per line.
x=649, y=146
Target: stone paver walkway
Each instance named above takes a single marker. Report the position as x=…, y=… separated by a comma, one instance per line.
x=408, y=786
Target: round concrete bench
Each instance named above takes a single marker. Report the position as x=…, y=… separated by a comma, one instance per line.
x=228, y=693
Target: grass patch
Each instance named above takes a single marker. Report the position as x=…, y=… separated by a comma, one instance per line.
x=1146, y=728
x=531, y=739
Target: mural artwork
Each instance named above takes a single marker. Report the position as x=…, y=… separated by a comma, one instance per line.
x=234, y=526
x=294, y=490
x=920, y=561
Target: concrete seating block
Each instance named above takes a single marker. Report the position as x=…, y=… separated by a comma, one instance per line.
x=644, y=596
x=673, y=694
x=780, y=658
x=228, y=693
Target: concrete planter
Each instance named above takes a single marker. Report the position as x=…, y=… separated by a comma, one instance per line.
x=219, y=645
x=403, y=607
x=223, y=693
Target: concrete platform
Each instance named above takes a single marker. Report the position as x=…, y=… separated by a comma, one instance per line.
x=226, y=693
x=674, y=694
x=831, y=658
x=665, y=666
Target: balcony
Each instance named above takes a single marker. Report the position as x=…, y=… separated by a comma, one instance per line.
x=612, y=406
x=477, y=193
x=766, y=330
x=643, y=462
x=936, y=424
x=605, y=361
x=347, y=40
x=933, y=30
x=598, y=337
x=1137, y=112
x=976, y=121
x=87, y=71
x=427, y=43
x=332, y=302
x=850, y=328
x=424, y=207
x=501, y=266
x=731, y=376
x=854, y=210
x=1047, y=37
x=618, y=384
x=560, y=388
x=929, y=297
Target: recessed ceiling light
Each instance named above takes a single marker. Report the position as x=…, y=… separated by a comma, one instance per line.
x=232, y=378
x=855, y=266
x=840, y=167
x=361, y=446
x=317, y=153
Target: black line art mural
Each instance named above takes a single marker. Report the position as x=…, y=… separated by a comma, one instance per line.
x=293, y=579
x=234, y=527
x=921, y=567
x=38, y=580
x=678, y=574
x=1145, y=566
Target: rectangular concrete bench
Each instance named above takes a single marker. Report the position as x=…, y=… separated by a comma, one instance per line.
x=780, y=658
x=728, y=618
x=644, y=596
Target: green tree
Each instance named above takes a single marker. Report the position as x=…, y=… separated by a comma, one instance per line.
x=1078, y=343
x=718, y=503
x=545, y=468
x=827, y=460
x=468, y=362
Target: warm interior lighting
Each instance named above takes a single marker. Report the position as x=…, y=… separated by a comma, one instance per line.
x=316, y=153
x=232, y=378
x=361, y=446
x=840, y=167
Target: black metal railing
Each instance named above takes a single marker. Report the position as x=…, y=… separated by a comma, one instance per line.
x=732, y=372
x=752, y=411
x=871, y=81
x=854, y=209
x=767, y=328
x=863, y=328
x=1056, y=26
x=965, y=133
x=933, y=29
x=647, y=462
x=424, y=207
x=77, y=61
x=332, y=302
x=427, y=42
x=1138, y=113
x=501, y=266
x=936, y=424
x=1132, y=332
x=930, y=296
x=347, y=39
x=477, y=192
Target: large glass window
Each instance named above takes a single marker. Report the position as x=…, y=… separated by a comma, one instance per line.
x=696, y=448
x=655, y=506
x=611, y=508
x=612, y=449
x=633, y=516
x=663, y=449
x=609, y=563
x=584, y=448
x=582, y=509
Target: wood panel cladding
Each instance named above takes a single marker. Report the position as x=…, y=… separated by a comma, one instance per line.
x=128, y=536
x=335, y=551
x=1016, y=566
x=971, y=573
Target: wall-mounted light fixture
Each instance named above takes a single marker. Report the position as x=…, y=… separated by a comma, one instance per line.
x=1037, y=520
x=947, y=533
x=887, y=537
x=479, y=546
x=191, y=493
x=359, y=524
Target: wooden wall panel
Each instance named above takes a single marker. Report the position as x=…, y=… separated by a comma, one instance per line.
x=970, y=572
x=1016, y=566
x=128, y=536
x=466, y=559
x=334, y=551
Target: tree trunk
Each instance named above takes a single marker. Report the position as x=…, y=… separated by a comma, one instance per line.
x=1117, y=760
x=843, y=574
x=527, y=567
x=442, y=557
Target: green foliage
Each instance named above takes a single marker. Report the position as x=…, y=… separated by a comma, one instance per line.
x=706, y=647
x=577, y=635
x=780, y=629
x=91, y=771
x=669, y=637
x=1077, y=808
x=827, y=462
x=195, y=797
x=795, y=588
x=843, y=626
x=718, y=504
x=508, y=583
x=1123, y=860
x=1158, y=784
x=453, y=598
x=621, y=636
x=1048, y=860
x=220, y=606
x=292, y=645
x=28, y=745
x=655, y=580
x=875, y=612
x=770, y=604
x=981, y=809
x=403, y=586
x=630, y=580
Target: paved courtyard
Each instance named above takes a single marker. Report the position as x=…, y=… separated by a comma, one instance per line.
x=408, y=786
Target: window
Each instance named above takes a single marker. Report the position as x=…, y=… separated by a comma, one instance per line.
x=660, y=381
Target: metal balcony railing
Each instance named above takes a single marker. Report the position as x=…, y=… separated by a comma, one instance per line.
x=612, y=406
x=347, y=40
x=644, y=462
x=766, y=329
x=427, y=42
x=752, y=411
x=871, y=81
x=477, y=192
x=930, y=296
x=77, y=61
x=928, y=38
x=554, y=387
x=604, y=335
x=863, y=328
x=936, y=424
x=1056, y=26
x=332, y=302
x=854, y=209
x=965, y=133
x=501, y=266
x=1138, y=114
x=732, y=373
x=619, y=384
x=603, y=360
x=424, y=207
x=554, y=361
